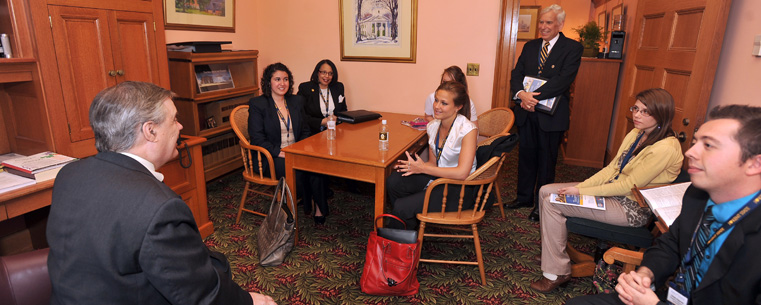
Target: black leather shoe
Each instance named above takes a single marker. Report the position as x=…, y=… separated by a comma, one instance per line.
x=319, y=220
x=517, y=205
x=534, y=216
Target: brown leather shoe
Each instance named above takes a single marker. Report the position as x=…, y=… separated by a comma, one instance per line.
x=545, y=285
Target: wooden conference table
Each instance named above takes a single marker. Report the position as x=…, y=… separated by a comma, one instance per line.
x=354, y=154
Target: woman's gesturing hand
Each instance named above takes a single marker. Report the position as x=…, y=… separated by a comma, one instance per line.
x=413, y=165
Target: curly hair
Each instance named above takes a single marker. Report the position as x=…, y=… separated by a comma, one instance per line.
x=267, y=78
x=316, y=72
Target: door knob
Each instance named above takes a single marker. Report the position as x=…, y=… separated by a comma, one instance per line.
x=682, y=137
x=686, y=121
x=120, y=72
x=112, y=73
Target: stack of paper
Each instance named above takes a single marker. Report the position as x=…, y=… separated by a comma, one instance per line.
x=666, y=201
x=9, y=182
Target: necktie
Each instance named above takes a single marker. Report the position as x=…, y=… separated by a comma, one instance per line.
x=698, y=247
x=543, y=56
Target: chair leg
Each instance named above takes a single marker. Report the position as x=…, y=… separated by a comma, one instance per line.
x=499, y=199
x=420, y=242
x=583, y=264
x=479, y=255
x=242, y=202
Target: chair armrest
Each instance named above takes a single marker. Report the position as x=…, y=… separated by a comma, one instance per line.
x=622, y=255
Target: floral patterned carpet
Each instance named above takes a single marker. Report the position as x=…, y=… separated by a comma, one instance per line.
x=326, y=266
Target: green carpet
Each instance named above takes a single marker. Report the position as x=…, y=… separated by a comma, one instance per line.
x=326, y=266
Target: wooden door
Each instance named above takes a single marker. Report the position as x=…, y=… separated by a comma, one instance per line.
x=134, y=45
x=674, y=45
x=84, y=56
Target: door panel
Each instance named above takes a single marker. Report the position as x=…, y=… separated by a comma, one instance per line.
x=676, y=46
x=134, y=45
x=83, y=52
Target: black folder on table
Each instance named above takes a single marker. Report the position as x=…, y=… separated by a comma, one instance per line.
x=357, y=116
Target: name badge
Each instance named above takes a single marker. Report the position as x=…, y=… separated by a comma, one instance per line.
x=676, y=296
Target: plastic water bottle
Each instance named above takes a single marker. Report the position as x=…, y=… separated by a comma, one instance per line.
x=383, y=136
x=331, y=127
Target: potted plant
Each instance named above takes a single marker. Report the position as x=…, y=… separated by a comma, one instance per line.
x=590, y=36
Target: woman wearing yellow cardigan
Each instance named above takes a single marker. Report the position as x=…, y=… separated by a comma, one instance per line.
x=649, y=155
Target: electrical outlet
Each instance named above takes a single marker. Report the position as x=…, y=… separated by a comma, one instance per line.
x=473, y=69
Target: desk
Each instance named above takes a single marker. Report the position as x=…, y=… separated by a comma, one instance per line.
x=354, y=153
x=188, y=182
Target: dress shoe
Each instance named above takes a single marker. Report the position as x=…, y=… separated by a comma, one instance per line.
x=516, y=205
x=534, y=215
x=546, y=285
x=319, y=220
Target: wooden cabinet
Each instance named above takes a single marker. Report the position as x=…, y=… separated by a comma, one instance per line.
x=96, y=49
x=592, y=99
x=85, y=46
x=203, y=106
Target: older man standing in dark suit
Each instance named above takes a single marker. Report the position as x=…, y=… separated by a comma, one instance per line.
x=556, y=59
x=117, y=234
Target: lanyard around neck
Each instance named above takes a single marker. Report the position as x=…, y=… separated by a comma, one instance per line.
x=440, y=149
x=629, y=154
x=739, y=215
x=282, y=119
x=326, y=101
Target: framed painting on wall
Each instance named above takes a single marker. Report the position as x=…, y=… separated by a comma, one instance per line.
x=200, y=15
x=528, y=19
x=617, y=18
x=382, y=30
x=602, y=21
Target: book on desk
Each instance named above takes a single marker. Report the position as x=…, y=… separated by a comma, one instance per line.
x=40, y=167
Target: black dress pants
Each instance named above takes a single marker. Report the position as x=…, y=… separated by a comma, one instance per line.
x=407, y=195
x=537, y=157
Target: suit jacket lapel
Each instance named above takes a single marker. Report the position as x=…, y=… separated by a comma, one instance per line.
x=557, y=49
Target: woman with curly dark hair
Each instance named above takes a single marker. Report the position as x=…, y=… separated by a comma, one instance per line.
x=323, y=95
x=276, y=119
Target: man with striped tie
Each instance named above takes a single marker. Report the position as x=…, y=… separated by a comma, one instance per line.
x=713, y=247
x=555, y=58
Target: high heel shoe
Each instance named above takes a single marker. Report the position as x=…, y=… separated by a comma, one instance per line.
x=319, y=220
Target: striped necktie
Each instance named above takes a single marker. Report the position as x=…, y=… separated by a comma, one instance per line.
x=543, y=56
x=698, y=246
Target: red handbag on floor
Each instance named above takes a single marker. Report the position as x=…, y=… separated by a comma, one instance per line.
x=391, y=262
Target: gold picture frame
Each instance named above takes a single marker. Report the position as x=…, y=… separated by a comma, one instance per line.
x=528, y=20
x=617, y=10
x=219, y=16
x=385, y=35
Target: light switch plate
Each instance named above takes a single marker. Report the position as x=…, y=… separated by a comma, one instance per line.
x=472, y=69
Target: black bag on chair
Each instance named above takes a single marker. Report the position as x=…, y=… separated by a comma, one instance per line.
x=276, y=233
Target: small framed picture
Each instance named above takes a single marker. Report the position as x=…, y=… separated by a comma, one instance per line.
x=211, y=122
x=528, y=19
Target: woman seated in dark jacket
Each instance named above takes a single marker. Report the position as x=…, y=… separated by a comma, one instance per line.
x=323, y=95
x=276, y=119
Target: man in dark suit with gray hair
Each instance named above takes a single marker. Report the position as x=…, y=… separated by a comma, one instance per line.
x=556, y=59
x=117, y=234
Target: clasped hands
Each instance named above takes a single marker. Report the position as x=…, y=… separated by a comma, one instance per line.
x=527, y=100
x=634, y=287
x=413, y=165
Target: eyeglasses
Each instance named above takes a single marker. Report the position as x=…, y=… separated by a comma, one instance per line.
x=635, y=109
x=328, y=73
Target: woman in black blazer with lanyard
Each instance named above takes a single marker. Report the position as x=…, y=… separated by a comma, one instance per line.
x=276, y=119
x=323, y=95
